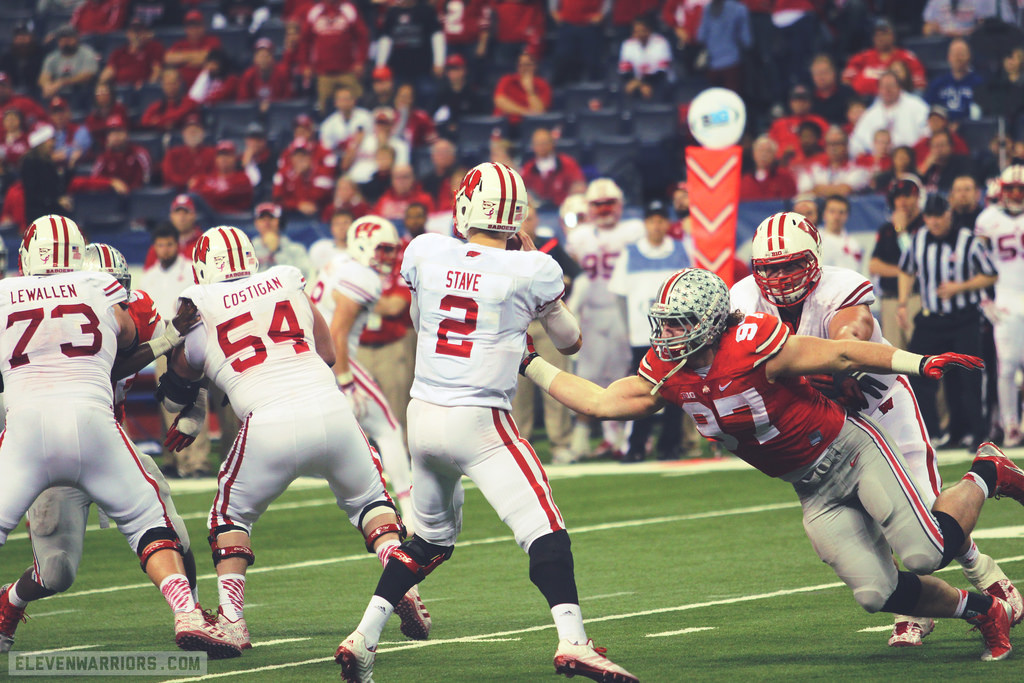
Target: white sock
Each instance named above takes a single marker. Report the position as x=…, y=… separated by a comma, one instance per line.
x=13, y=596
x=969, y=558
x=177, y=593
x=231, y=591
x=569, y=623
x=374, y=619
x=977, y=481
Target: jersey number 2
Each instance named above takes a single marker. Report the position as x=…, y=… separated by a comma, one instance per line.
x=34, y=317
x=464, y=327
x=284, y=327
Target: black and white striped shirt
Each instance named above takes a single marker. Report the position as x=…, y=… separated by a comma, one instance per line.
x=957, y=257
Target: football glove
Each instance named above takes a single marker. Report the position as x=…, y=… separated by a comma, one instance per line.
x=934, y=367
x=187, y=425
x=356, y=397
x=528, y=355
x=843, y=389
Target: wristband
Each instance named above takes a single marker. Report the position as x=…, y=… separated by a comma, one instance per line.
x=344, y=378
x=165, y=342
x=541, y=373
x=906, y=363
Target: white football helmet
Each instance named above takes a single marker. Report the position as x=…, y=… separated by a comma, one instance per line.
x=52, y=244
x=993, y=191
x=604, y=202
x=374, y=242
x=689, y=313
x=491, y=197
x=1011, y=188
x=223, y=253
x=573, y=211
x=786, y=256
x=104, y=258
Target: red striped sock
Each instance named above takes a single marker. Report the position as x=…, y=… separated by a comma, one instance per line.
x=385, y=549
x=177, y=593
x=231, y=590
x=961, y=605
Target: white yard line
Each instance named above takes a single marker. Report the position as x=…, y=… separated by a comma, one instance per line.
x=57, y=649
x=876, y=629
x=695, y=629
x=606, y=595
x=54, y=613
x=279, y=641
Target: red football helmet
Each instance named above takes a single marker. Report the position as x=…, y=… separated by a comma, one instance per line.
x=785, y=256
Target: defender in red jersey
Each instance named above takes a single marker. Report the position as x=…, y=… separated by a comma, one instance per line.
x=742, y=380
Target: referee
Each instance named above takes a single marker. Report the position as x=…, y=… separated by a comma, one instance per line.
x=951, y=268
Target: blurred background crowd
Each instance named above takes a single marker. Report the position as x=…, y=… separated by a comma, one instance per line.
x=149, y=121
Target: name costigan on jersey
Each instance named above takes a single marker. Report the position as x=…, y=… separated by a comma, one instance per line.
x=251, y=292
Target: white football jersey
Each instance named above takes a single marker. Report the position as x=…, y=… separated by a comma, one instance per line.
x=1005, y=235
x=597, y=250
x=471, y=307
x=838, y=288
x=60, y=340
x=353, y=280
x=255, y=340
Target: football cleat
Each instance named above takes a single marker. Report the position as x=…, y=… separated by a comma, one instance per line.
x=589, y=661
x=192, y=632
x=988, y=578
x=995, y=629
x=1009, y=477
x=9, y=618
x=414, y=615
x=910, y=631
x=356, y=659
x=237, y=630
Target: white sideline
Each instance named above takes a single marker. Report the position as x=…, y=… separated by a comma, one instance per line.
x=483, y=541
x=485, y=637
x=57, y=649
x=279, y=641
x=682, y=631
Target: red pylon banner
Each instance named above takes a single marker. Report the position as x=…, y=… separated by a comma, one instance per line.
x=713, y=179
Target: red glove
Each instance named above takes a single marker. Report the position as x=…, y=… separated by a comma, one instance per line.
x=176, y=440
x=934, y=367
x=843, y=389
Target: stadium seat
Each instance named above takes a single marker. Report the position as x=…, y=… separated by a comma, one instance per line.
x=168, y=35
x=553, y=121
x=11, y=17
x=273, y=29
x=150, y=204
x=928, y=48
x=153, y=143
x=685, y=91
x=231, y=118
x=978, y=134
x=577, y=98
x=611, y=153
x=476, y=131
x=101, y=212
x=655, y=122
x=281, y=114
x=592, y=126
x=147, y=95
x=237, y=45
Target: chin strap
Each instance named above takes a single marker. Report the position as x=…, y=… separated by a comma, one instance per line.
x=677, y=368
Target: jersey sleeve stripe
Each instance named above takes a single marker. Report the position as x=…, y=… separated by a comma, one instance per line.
x=646, y=371
x=560, y=295
x=856, y=295
x=777, y=347
x=361, y=294
x=116, y=291
x=771, y=338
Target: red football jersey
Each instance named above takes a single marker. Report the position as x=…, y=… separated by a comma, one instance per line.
x=778, y=427
x=142, y=309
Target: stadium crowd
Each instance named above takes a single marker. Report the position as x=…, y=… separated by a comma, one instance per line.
x=290, y=119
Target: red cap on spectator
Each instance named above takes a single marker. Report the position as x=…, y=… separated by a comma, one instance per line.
x=682, y=185
x=193, y=120
x=303, y=120
x=382, y=73
x=302, y=145
x=193, y=16
x=58, y=103
x=226, y=147
x=455, y=61
x=268, y=209
x=264, y=44
x=116, y=121
x=383, y=115
x=183, y=201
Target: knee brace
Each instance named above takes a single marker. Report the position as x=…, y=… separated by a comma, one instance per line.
x=905, y=596
x=551, y=568
x=373, y=534
x=421, y=557
x=224, y=552
x=157, y=539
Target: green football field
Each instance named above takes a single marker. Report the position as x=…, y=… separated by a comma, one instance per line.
x=686, y=571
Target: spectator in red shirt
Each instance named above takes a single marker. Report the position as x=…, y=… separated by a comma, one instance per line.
x=169, y=112
x=522, y=93
x=785, y=131
x=520, y=25
x=122, y=159
x=768, y=180
x=938, y=120
x=346, y=198
x=300, y=187
x=227, y=189
x=104, y=106
x=214, y=83
x=403, y=192
x=138, y=62
x=294, y=54
x=337, y=44
x=579, y=41
x=305, y=130
x=382, y=93
x=29, y=108
x=264, y=81
x=189, y=54
x=193, y=158
x=551, y=176
x=411, y=124
x=864, y=68
x=14, y=143
x=100, y=16
x=183, y=218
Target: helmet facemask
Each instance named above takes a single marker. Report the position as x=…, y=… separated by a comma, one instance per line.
x=690, y=316
x=787, y=286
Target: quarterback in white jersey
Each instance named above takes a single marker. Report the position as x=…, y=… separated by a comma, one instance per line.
x=472, y=302
x=833, y=303
x=1002, y=227
x=596, y=245
x=345, y=292
x=64, y=329
x=267, y=348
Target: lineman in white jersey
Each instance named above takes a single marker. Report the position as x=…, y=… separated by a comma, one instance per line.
x=1002, y=227
x=596, y=246
x=59, y=515
x=57, y=351
x=472, y=302
x=345, y=292
x=267, y=348
x=833, y=303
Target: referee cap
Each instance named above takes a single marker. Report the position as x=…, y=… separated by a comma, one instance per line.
x=935, y=205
